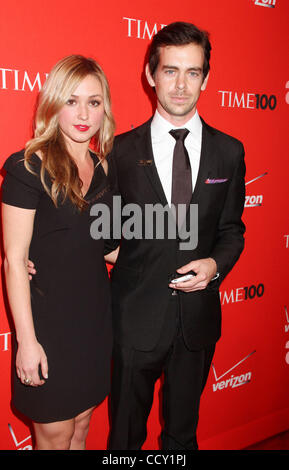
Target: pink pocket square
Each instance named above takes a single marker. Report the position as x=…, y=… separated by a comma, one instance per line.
x=215, y=181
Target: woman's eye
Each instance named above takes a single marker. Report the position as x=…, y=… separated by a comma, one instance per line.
x=70, y=102
x=95, y=103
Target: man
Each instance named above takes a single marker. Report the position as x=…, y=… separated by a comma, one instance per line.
x=156, y=331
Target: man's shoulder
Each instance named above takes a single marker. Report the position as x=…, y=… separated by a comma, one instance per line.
x=223, y=138
x=133, y=133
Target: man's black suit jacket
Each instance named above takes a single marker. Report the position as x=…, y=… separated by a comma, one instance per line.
x=140, y=292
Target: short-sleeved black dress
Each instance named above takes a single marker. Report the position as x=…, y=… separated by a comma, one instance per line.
x=70, y=296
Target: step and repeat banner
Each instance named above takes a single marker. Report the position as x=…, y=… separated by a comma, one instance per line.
x=246, y=397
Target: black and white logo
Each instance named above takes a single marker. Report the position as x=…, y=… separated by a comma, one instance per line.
x=233, y=381
x=287, y=320
x=266, y=3
x=240, y=294
x=287, y=93
x=21, y=80
x=254, y=200
x=5, y=341
x=247, y=100
x=19, y=444
x=141, y=29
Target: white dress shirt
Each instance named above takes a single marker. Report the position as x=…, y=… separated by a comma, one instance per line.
x=163, y=145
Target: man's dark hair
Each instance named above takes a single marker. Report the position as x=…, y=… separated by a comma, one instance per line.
x=179, y=34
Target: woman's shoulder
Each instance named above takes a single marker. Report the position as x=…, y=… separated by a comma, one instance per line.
x=15, y=166
x=14, y=159
x=17, y=159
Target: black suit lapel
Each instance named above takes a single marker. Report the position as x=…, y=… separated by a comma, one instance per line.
x=206, y=159
x=146, y=160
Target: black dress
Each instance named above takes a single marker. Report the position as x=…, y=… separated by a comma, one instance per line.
x=70, y=296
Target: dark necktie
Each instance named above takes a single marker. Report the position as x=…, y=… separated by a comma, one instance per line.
x=182, y=175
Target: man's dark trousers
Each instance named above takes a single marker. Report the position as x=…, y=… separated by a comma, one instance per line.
x=135, y=374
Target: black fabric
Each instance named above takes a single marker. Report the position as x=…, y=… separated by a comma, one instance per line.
x=134, y=376
x=144, y=310
x=181, y=175
x=70, y=296
x=140, y=278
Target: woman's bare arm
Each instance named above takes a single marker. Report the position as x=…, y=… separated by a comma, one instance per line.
x=17, y=234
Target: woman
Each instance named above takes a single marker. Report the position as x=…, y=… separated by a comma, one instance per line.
x=62, y=317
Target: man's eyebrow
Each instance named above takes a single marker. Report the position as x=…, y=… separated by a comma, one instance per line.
x=170, y=67
x=196, y=69
x=174, y=67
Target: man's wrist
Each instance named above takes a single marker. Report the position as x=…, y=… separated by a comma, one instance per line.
x=217, y=274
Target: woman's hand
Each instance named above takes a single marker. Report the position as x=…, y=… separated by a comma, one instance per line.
x=30, y=356
x=31, y=269
x=109, y=258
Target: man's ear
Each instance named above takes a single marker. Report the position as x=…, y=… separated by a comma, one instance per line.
x=204, y=84
x=149, y=77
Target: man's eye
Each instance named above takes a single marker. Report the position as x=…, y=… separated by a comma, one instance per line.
x=195, y=74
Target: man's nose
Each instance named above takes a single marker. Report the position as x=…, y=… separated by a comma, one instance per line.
x=180, y=81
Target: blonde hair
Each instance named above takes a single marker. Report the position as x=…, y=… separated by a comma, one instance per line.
x=64, y=77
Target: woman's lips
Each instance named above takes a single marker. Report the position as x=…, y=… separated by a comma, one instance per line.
x=81, y=127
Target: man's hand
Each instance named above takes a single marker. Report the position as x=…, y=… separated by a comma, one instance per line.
x=205, y=270
x=30, y=269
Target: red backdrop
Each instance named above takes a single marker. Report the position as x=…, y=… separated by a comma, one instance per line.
x=246, y=398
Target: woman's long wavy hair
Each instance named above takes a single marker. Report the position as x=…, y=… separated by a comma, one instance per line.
x=48, y=139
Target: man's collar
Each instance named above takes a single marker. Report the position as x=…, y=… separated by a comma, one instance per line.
x=161, y=127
